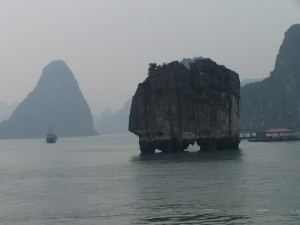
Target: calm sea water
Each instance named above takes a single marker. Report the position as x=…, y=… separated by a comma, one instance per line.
x=104, y=180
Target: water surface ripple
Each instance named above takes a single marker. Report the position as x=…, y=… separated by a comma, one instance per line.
x=104, y=180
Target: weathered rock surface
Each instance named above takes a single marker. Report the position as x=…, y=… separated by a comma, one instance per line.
x=177, y=106
x=56, y=102
x=275, y=101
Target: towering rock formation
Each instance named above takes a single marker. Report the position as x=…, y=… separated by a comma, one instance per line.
x=176, y=106
x=275, y=101
x=56, y=102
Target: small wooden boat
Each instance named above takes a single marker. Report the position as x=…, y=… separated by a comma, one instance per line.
x=51, y=137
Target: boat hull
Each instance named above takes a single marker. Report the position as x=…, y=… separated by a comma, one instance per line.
x=50, y=140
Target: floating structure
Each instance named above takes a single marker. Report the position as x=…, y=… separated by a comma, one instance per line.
x=275, y=135
x=51, y=137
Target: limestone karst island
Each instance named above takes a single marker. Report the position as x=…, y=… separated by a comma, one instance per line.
x=178, y=105
x=274, y=102
x=56, y=102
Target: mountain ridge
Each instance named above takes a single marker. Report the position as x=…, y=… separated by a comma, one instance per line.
x=57, y=102
x=275, y=102
x=116, y=122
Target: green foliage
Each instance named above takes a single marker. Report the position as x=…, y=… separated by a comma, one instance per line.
x=196, y=93
x=159, y=133
x=152, y=67
x=198, y=88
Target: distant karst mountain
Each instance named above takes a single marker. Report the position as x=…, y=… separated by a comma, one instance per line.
x=6, y=110
x=249, y=81
x=114, y=122
x=275, y=101
x=56, y=102
x=187, y=61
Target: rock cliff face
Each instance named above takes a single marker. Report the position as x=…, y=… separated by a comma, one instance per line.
x=176, y=106
x=275, y=101
x=56, y=102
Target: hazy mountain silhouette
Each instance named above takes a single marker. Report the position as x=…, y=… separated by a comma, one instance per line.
x=114, y=122
x=249, y=81
x=275, y=101
x=187, y=61
x=56, y=102
x=6, y=110
x=106, y=113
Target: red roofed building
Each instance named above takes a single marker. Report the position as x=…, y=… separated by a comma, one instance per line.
x=274, y=135
x=279, y=132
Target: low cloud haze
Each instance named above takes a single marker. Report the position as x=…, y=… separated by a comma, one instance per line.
x=109, y=44
x=297, y=3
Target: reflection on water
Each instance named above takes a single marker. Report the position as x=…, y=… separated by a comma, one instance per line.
x=188, y=187
x=254, y=185
x=191, y=156
x=203, y=218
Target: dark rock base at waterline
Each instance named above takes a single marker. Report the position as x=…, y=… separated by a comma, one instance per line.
x=179, y=145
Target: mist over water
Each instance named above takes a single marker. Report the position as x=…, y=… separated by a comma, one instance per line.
x=104, y=180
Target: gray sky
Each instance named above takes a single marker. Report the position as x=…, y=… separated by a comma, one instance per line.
x=108, y=44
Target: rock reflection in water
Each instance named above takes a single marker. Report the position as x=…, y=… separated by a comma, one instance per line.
x=188, y=187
